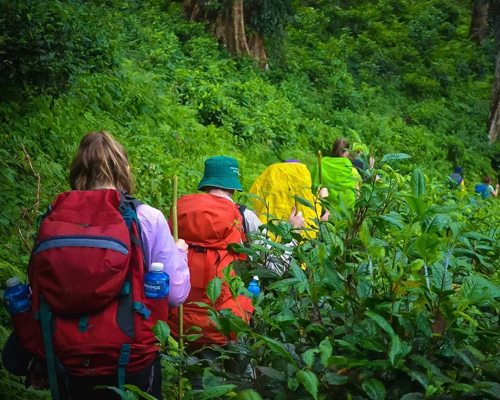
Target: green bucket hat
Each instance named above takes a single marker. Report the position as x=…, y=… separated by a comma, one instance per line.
x=221, y=172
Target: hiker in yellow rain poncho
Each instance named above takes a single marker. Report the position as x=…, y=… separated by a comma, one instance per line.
x=339, y=175
x=278, y=185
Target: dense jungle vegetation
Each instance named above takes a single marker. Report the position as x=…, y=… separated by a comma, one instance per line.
x=399, y=297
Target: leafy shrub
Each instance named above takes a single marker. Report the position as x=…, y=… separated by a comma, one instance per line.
x=393, y=301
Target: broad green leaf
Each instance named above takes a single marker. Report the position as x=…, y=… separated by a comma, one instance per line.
x=335, y=379
x=462, y=387
x=416, y=204
x=309, y=380
x=418, y=182
x=272, y=373
x=427, y=246
x=213, y=289
x=214, y=392
x=364, y=234
x=372, y=343
x=308, y=357
x=476, y=289
x=392, y=220
x=304, y=202
x=209, y=380
x=381, y=321
x=374, y=389
x=395, y=349
x=276, y=347
x=139, y=392
x=413, y=396
x=161, y=331
x=440, y=277
x=491, y=388
x=192, y=338
x=325, y=349
x=423, y=323
x=336, y=360
x=395, y=157
x=125, y=395
x=200, y=304
x=437, y=223
x=248, y=395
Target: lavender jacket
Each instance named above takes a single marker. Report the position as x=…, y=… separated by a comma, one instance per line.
x=159, y=246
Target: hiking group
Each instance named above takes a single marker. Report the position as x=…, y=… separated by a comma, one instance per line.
x=485, y=189
x=105, y=267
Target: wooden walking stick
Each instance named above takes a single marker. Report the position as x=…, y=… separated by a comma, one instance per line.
x=320, y=171
x=181, y=308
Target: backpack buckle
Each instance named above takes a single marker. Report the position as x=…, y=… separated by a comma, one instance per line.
x=199, y=249
x=124, y=355
x=141, y=309
x=122, y=207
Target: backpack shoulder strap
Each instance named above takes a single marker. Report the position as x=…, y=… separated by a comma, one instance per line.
x=128, y=200
x=241, y=209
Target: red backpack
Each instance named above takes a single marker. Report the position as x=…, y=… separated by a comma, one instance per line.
x=89, y=314
x=208, y=224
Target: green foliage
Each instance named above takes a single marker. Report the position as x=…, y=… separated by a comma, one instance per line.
x=399, y=297
x=381, y=310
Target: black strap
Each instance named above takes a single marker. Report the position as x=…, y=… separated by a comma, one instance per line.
x=241, y=209
x=135, y=240
x=128, y=200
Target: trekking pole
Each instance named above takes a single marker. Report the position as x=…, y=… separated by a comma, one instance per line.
x=175, y=232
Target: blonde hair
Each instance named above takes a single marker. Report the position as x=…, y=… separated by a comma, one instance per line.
x=100, y=161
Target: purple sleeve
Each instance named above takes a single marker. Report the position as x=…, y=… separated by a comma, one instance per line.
x=159, y=246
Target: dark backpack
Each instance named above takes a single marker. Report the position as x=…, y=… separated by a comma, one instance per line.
x=456, y=180
x=482, y=189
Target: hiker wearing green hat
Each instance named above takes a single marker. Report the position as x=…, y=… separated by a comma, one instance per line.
x=209, y=223
x=221, y=178
x=221, y=172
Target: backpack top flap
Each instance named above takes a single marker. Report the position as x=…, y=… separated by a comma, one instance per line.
x=82, y=252
x=208, y=221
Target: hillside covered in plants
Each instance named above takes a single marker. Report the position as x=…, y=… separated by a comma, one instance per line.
x=399, y=299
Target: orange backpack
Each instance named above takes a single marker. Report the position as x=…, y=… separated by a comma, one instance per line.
x=208, y=224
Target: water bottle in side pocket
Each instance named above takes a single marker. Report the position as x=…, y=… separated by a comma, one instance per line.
x=156, y=282
x=17, y=297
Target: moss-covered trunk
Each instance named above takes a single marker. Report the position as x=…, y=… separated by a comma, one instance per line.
x=479, y=21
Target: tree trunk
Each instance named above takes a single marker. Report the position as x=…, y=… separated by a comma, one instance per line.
x=479, y=21
x=240, y=38
x=257, y=51
x=494, y=115
x=228, y=26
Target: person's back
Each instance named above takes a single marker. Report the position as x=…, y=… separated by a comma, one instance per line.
x=456, y=180
x=486, y=189
x=278, y=185
x=482, y=189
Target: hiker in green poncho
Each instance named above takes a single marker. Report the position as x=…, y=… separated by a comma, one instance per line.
x=339, y=175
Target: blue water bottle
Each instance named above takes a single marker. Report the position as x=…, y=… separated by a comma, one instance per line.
x=156, y=282
x=254, y=287
x=17, y=297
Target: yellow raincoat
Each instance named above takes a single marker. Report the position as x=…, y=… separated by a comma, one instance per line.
x=278, y=185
